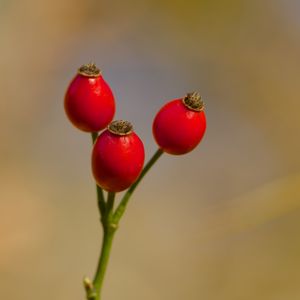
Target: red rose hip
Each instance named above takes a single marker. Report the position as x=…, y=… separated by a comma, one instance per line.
x=180, y=124
x=118, y=157
x=89, y=101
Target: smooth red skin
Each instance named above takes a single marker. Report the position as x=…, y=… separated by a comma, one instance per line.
x=177, y=129
x=89, y=103
x=117, y=161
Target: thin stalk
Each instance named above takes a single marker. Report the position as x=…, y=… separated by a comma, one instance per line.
x=100, y=194
x=108, y=233
x=103, y=261
x=122, y=206
x=110, y=206
x=94, y=136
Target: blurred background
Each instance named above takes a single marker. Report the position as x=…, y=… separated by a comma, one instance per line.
x=222, y=222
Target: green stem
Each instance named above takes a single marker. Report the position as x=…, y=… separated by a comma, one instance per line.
x=110, y=206
x=122, y=206
x=109, y=228
x=94, y=136
x=100, y=200
x=100, y=195
x=103, y=261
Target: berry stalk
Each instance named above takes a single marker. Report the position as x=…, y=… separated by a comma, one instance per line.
x=100, y=195
x=109, y=229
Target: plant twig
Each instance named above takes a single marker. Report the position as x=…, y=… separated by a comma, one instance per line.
x=100, y=194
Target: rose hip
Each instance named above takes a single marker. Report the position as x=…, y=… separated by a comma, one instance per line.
x=89, y=101
x=118, y=157
x=180, y=124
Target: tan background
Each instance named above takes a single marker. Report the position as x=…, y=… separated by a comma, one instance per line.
x=220, y=223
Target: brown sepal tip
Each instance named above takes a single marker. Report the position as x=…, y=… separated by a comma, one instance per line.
x=120, y=127
x=89, y=70
x=193, y=101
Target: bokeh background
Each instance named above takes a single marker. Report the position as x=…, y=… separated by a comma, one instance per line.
x=222, y=222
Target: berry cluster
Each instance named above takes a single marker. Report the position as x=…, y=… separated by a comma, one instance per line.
x=118, y=153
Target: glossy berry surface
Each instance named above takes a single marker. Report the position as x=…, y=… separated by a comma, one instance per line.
x=180, y=125
x=89, y=101
x=118, y=157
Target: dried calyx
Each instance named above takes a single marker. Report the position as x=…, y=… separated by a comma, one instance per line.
x=120, y=127
x=89, y=70
x=193, y=101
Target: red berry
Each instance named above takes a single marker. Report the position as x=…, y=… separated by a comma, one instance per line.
x=89, y=101
x=180, y=124
x=118, y=157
